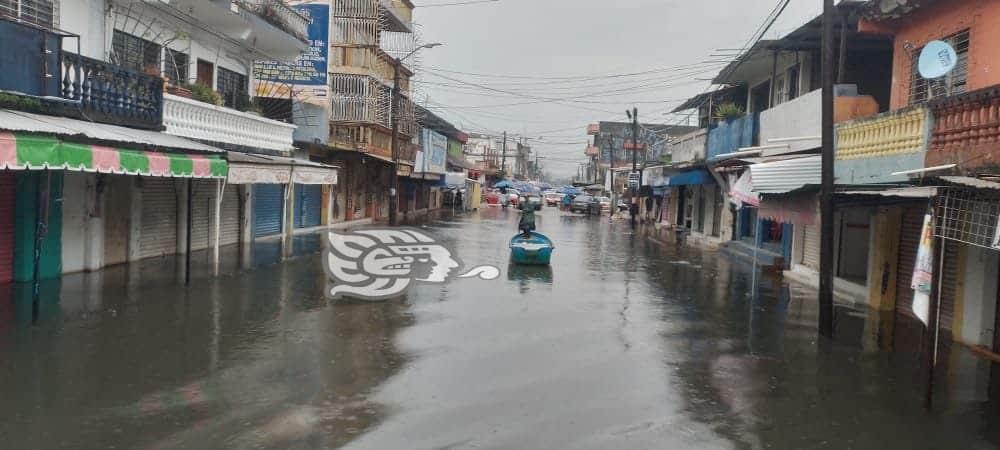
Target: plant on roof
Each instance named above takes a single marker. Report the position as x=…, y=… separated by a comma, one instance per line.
x=729, y=110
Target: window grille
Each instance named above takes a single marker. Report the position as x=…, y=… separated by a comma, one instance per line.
x=175, y=66
x=232, y=86
x=923, y=89
x=135, y=53
x=968, y=216
x=43, y=13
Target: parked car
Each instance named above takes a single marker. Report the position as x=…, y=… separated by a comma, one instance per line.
x=605, y=203
x=581, y=204
x=492, y=198
x=513, y=197
x=552, y=198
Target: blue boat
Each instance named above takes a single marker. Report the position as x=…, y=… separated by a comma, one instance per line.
x=533, y=250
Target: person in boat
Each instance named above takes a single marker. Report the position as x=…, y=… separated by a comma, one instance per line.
x=526, y=224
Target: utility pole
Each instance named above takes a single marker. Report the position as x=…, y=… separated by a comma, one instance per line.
x=611, y=174
x=394, y=184
x=634, y=189
x=826, y=186
x=503, y=158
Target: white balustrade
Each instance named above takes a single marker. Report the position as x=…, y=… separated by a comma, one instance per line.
x=205, y=122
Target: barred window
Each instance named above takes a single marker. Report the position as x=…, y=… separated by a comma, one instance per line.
x=232, y=86
x=43, y=13
x=175, y=66
x=923, y=89
x=135, y=53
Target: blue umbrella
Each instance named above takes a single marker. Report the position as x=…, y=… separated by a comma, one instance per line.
x=570, y=190
x=503, y=184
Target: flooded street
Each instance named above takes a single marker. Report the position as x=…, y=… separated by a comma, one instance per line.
x=628, y=341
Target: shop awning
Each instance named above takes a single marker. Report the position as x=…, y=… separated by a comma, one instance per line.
x=779, y=177
x=903, y=192
x=692, y=177
x=246, y=168
x=36, y=152
x=111, y=135
x=798, y=209
x=742, y=190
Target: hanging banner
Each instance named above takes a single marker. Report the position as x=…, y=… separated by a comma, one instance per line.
x=306, y=78
x=923, y=272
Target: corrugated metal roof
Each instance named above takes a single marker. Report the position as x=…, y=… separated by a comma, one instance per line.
x=779, y=177
x=274, y=160
x=971, y=182
x=906, y=192
x=61, y=126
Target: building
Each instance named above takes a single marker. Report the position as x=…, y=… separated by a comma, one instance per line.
x=132, y=130
x=349, y=124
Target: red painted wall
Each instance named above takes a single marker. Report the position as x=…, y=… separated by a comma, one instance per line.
x=937, y=20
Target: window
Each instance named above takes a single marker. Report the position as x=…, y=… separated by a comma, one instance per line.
x=780, y=91
x=135, y=53
x=793, y=82
x=922, y=89
x=43, y=13
x=175, y=66
x=232, y=86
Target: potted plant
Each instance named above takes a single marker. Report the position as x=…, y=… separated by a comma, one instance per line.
x=728, y=112
x=178, y=90
x=205, y=94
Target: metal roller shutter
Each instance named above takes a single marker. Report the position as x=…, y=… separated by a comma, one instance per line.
x=810, y=240
x=7, y=184
x=202, y=213
x=268, y=205
x=158, y=235
x=909, y=241
x=949, y=283
x=230, y=227
x=308, y=205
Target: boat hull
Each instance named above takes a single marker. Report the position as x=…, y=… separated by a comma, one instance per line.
x=535, y=250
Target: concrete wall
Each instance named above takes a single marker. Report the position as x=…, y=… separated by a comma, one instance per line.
x=86, y=18
x=83, y=225
x=976, y=312
x=799, y=117
x=689, y=147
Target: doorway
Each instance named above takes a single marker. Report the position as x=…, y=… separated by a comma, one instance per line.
x=206, y=73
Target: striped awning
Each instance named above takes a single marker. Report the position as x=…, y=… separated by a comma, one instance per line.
x=37, y=152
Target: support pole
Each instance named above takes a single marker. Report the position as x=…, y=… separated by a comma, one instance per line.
x=42, y=186
x=826, y=185
x=634, y=189
x=503, y=158
x=220, y=190
x=394, y=177
x=933, y=319
x=190, y=224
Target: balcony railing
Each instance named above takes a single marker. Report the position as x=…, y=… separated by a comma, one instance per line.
x=400, y=15
x=869, y=150
x=279, y=14
x=112, y=94
x=217, y=124
x=730, y=135
x=966, y=130
x=689, y=147
x=362, y=99
x=796, y=123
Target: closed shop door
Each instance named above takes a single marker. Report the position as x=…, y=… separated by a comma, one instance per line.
x=7, y=183
x=202, y=213
x=229, y=231
x=158, y=235
x=268, y=205
x=810, y=246
x=909, y=241
x=949, y=282
x=308, y=205
x=117, y=218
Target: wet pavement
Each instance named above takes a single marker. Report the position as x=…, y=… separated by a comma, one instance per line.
x=628, y=341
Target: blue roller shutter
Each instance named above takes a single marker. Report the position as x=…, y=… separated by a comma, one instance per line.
x=308, y=205
x=268, y=204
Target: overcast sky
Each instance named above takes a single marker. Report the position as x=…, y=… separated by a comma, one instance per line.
x=543, y=42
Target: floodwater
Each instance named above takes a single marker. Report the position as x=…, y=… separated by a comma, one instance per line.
x=629, y=341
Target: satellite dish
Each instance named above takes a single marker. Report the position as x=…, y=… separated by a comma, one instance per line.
x=937, y=59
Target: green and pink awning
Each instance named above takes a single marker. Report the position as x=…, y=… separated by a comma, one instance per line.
x=35, y=152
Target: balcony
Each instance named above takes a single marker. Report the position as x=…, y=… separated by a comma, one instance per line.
x=399, y=15
x=271, y=28
x=70, y=85
x=966, y=131
x=363, y=100
x=794, y=126
x=224, y=126
x=730, y=135
x=869, y=150
x=689, y=147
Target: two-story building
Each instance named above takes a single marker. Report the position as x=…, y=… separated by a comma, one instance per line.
x=131, y=125
x=939, y=141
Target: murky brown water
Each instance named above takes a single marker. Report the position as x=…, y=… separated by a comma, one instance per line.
x=625, y=342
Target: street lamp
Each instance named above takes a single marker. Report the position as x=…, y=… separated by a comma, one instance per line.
x=394, y=187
